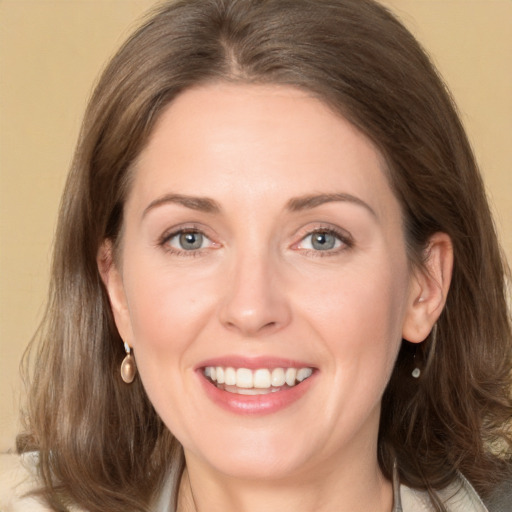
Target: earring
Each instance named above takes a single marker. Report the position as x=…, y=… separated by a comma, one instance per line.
x=416, y=372
x=433, y=338
x=128, y=367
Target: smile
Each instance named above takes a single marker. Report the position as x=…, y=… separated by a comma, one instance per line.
x=244, y=381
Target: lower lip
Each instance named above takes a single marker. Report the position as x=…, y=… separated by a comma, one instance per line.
x=255, y=404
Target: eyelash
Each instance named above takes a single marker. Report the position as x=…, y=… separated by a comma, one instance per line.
x=346, y=241
x=167, y=237
x=342, y=236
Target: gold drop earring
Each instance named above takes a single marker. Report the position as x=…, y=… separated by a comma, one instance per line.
x=128, y=366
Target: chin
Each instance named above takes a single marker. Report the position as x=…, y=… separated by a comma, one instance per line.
x=255, y=457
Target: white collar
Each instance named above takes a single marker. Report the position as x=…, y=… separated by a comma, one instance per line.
x=459, y=496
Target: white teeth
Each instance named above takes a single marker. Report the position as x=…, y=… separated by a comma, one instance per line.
x=244, y=378
x=251, y=391
x=230, y=377
x=302, y=374
x=291, y=374
x=278, y=377
x=262, y=379
x=251, y=382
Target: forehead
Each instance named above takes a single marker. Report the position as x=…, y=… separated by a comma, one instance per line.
x=262, y=139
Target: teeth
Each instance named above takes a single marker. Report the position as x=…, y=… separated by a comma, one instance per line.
x=302, y=374
x=278, y=377
x=262, y=379
x=229, y=377
x=253, y=382
x=290, y=375
x=244, y=378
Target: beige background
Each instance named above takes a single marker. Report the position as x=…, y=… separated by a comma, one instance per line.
x=50, y=54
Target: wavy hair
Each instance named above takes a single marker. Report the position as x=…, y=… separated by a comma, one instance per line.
x=101, y=444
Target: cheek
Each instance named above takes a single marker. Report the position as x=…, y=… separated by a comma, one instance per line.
x=359, y=315
x=168, y=311
x=165, y=306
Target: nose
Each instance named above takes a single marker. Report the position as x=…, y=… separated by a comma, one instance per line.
x=255, y=301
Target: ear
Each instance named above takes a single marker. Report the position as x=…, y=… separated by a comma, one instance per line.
x=113, y=281
x=429, y=289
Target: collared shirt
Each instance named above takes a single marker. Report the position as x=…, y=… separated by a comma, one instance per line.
x=17, y=477
x=459, y=496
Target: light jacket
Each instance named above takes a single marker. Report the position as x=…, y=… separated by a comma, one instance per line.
x=18, y=476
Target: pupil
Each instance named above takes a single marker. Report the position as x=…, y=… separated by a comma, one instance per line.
x=191, y=241
x=323, y=241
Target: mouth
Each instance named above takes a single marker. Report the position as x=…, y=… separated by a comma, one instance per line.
x=261, y=381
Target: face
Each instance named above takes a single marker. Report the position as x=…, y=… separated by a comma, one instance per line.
x=262, y=280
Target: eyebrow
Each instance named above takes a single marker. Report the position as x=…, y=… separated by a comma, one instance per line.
x=202, y=204
x=314, y=200
x=207, y=205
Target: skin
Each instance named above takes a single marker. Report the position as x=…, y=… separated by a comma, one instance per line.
x=258, y=287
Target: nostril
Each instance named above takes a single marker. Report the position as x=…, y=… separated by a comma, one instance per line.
x=253, y=303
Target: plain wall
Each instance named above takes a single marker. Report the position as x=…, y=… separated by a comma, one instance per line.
x=51, y=52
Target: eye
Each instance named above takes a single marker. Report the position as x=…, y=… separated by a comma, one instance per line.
x=323, y=240
x=188, y=240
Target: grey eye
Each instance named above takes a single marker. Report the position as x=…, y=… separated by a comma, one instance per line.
x=190, y=241
x=323, y=241
x=187, y=240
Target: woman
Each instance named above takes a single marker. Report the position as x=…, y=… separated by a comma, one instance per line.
x=276, y=280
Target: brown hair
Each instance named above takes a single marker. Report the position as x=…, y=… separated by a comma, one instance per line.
x=100, y=442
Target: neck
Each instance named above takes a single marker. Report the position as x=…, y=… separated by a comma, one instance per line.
x=355, y=487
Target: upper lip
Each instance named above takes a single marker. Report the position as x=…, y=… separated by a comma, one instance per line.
x=253, y=363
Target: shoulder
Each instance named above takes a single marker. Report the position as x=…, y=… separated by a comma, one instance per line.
x=459, y=496
x=18, y=479
x=501, y=499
